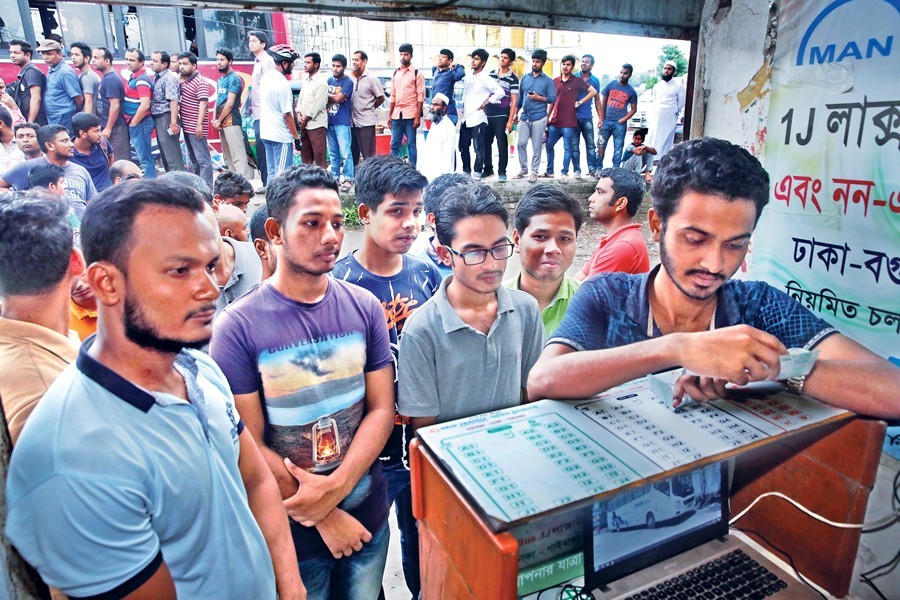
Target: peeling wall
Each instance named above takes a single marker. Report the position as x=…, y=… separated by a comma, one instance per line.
x=734, y=69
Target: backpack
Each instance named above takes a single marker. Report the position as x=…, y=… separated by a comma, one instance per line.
x=416, y=75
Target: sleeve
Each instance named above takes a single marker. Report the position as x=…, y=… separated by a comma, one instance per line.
x=33, y=77
x=231, y=350
x=619, y=256
x=90, y=190
x=172, y=90
x=520, y=99
x=533, y=342
x=378, y=342
x=319, y=98
x=420, y=88
x=417, y=393
x=551, y=92
x=459, y=73
x=514, y=86
x=774, y=312
x=89, y=85
x=204, y=91
x=71, y=84
x=587, y=317
x=236, y=86
x=496, y=90
x=605, y=92
x=87, y=535
x=117, y=89
x=377, y=88
x=347, y=88
x=632, y=99
x=285, y=100
x=682, y=97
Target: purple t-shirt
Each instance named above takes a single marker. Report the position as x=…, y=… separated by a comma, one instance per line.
x=308, y=362
x=618, y=97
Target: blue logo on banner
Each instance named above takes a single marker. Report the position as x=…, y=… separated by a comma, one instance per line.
x=839, y=51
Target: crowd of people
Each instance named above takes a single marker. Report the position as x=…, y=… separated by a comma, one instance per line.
x=212, y=407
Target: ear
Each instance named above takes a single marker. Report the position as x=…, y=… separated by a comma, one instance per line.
x=621, y=204
x=107, y=282
x=364, y=212
x=273, y=231
x=516, y=239
x=217, y=200
x=262, y=248
x=430, y=218
x=76, y=263
x=228, y=233
x=443, y=254
x=655, y=224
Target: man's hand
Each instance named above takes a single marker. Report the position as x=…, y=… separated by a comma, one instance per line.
x=738, y=354
x=174, y=127
x=216, y=125
x=416, y=122
x=509, y=126
x=388, y=126
x=342, y=533
x=317, y=497
x=297, y=146
x=199, y=131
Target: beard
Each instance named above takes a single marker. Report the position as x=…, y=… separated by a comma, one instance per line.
x=666, y=261
x=436, y=117
x=667, y=77
x=141, y=332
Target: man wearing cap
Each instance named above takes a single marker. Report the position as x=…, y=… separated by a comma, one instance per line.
x=63, y=97
x=668, y=101
x=439, y=149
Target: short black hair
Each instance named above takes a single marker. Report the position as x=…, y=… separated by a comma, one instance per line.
x=85, y=49
x=26, y=125
x=629, y=67
x=193, y=181
x=260, y=35
x=380, y=175
x=339, y=58
x=569, y=58
x=190, y=56
x=47, y=134
x=590, y=56
x=281, y=190
x=5, y=117
x=445, y=51
x=106, y=53
x=44, y=175
x=434, y=192
x=406, y=48
x=480, y=53
x=258, y=223
x=140, y=53
x=228, y=54
x=462, y=201
x=83, y=122
x=640, y=131
x=109, y=218
x=316, y=58
x=625, y=183
x=540, y=54
x=708, y=166
x=26, y=47
x=230, y=184
x=164, y=57
x=545, y=198
x=35, y=243
x=509, y=52
x=362, y=55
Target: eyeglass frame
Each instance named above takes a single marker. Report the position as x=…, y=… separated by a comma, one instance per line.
x=509, y=244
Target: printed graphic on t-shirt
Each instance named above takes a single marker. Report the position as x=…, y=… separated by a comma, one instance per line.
x=617, y=99
x=315, y=398
x=334, y=107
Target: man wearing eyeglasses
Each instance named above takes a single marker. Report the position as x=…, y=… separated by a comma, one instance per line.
x=469, y=349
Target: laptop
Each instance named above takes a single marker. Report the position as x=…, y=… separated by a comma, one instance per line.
x=670, y=538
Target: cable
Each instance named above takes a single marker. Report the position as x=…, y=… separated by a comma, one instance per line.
x=873, y=525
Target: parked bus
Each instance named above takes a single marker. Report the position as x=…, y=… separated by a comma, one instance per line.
x=652, y=504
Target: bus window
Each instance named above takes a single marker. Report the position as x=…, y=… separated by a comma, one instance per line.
x=79, y=23
x=133, y=37
x=662, y=486
x=11, y=27
x=161, y=29
x=228, y=29
x=43, y=18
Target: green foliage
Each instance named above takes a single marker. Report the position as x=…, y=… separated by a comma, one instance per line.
x=671, y=52
x=649, y=82
x=351, y=217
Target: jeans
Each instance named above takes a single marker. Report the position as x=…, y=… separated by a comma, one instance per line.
x=260, y=154
x=475, y=135
x=531, y=131
x=355, y=577
x=169, y=145
x=198, y=150
x=496, y=129
x=400, y=493
x=279, y=157
x=400, y=128
x=586, y=129
x=568, y=136
x=613, y=128
x=339, y=151
x=140, y=137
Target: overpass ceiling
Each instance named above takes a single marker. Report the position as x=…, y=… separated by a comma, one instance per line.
x=676, y=19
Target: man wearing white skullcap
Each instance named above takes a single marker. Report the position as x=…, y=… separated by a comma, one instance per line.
x=668, y=97
x=439, y=150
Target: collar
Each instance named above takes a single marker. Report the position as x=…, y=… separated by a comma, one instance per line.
x=56, y=67
x=608, y=238
x=81, y=313
x=451, y=320
x=567, y=288
x=31, y=333
x=192, y=77
x=404, y=69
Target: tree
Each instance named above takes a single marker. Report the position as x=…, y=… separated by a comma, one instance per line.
x=650, y=82
x=671, y=52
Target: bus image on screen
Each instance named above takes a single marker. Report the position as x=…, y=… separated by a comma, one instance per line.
x=660, y=502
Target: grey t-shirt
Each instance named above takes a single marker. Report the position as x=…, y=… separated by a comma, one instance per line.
x=450, y=370
x=246, y=275
x=90, y=81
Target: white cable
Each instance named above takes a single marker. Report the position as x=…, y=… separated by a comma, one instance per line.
x=883, y=521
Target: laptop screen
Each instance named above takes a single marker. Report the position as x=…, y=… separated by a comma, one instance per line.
x=643, y=526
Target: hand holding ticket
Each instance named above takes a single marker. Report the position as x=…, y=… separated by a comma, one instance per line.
x=797, y=363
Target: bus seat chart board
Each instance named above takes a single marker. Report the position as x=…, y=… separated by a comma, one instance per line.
x=527, y=460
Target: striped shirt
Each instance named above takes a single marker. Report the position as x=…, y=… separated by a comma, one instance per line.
x=139, y=86
x=194, y=90
x=510, y=84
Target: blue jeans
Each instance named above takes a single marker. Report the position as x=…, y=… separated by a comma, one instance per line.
x=568, y=136
x=355, y=577
x=279, y=156
x=339, y=151
x=586, y=129
x=400, y=493
x=140, y=138
x=400, y=128
x=611, y=127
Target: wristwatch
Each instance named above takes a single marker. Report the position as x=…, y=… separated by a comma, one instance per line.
x=794, y=385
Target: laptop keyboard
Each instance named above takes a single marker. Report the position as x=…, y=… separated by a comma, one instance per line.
x=731, y=576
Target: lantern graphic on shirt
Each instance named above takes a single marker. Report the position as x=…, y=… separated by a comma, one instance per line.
x=326, y=444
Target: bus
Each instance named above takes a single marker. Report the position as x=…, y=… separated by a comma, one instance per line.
x=652, y=504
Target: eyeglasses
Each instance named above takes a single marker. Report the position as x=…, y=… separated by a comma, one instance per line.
x=131, y=176
x=476, y=257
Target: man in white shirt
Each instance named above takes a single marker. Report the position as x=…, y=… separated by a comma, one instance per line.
x=257, y=42
x=668, y=102
x=277, y=128
x=481, y=89
x=440, y=145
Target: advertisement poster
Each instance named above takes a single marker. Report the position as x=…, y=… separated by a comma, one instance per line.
x=830, y=236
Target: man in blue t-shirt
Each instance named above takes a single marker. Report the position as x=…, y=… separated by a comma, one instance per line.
x=308, y=359
x=613, y=115
x=444, y=76
x=707, y=197
x=586, y=120
x=92, y=151
x=227, y=119
x=340, y=93
x=389, y=200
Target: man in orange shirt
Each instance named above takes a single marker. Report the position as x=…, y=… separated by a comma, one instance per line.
x=407, y=98
x=82, y=310
x=614, y=204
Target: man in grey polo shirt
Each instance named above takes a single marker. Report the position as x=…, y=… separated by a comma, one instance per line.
x=164, y=110
x=368, y=95
x=472, y=325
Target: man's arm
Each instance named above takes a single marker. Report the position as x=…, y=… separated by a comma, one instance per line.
x=114, y=108
x=249, y=406
x=173, y=117
x=201, y=117
x=88, y=103
x=630, y=113
x=601, y=110
x=79, y=102
x=320, y=494
x=34, y=107
x=420, y=99
x=597, y=102
x=590, y=94
x=142, y=112
x=265, y=504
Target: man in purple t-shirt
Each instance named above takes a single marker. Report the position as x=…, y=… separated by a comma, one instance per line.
x=571, y=93
x=615, y=99
x=309, y=362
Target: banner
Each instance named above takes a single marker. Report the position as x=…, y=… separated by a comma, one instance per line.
x=830, y=236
